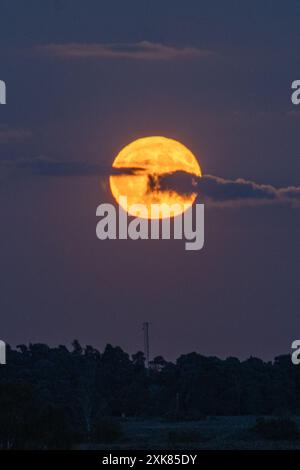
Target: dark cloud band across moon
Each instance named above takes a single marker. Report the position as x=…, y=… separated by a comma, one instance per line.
x=211, y=189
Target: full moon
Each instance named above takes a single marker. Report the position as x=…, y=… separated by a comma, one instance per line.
x=151, y=158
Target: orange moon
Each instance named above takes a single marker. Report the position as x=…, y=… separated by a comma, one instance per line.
x=152, y=157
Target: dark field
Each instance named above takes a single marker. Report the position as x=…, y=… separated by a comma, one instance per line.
x=227, y=432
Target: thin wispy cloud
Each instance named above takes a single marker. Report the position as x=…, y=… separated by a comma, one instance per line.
x=9, y=134
x=45, y=166
x=143, y=50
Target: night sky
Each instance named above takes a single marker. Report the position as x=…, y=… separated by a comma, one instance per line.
x=86, y=78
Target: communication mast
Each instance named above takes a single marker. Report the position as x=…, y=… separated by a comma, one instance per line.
x=146, y=342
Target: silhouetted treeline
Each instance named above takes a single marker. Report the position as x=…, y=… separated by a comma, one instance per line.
x=53, y=397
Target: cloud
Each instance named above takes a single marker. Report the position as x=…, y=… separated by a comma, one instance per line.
x=218, y=191
x=212, y=190
x=143, y=50
x=8, y=134
x=45, y=166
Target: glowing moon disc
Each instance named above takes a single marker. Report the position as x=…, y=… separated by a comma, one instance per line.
x=152, y=157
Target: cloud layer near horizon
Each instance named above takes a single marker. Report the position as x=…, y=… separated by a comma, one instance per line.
x=143, y=50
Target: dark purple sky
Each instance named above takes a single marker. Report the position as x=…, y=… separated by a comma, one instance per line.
x=227, y=98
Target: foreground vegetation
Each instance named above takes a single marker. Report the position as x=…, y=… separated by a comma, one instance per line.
x=60, y=398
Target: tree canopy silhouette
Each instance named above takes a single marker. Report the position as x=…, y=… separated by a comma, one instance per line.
x=55, y=396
